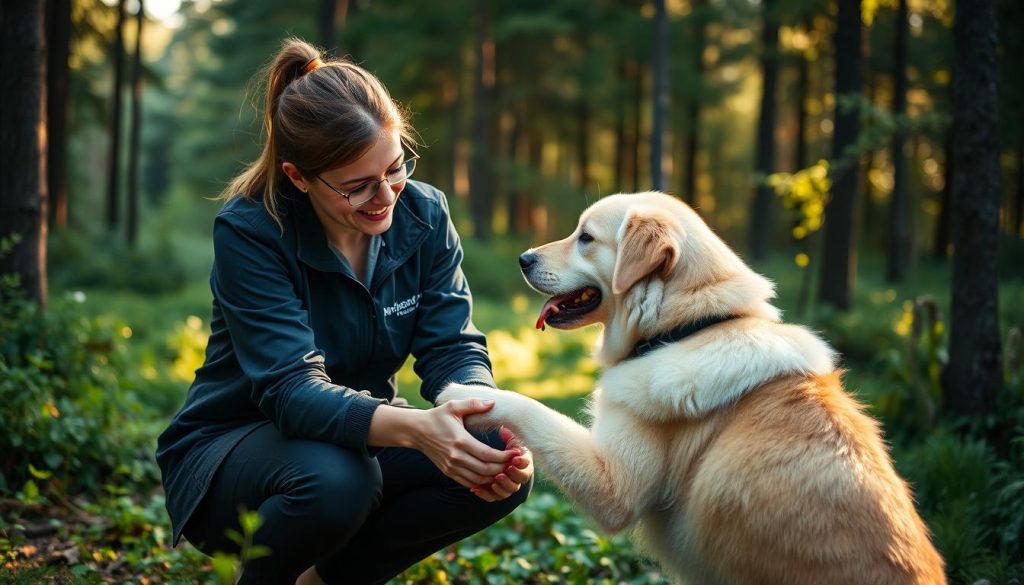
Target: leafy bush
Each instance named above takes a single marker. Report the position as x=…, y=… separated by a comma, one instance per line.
x=543, y=541
x=69, y=414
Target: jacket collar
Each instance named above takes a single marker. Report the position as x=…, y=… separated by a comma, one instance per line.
x=398, y=242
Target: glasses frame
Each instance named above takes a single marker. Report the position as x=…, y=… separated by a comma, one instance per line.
x=375, y=182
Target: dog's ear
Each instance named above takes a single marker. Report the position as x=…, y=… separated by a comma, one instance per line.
x=646, y=246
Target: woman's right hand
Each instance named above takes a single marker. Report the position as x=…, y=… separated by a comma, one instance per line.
x=443, y=438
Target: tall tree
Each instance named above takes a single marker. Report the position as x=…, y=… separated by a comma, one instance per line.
x=58, y=49
x=327, y=20
x=760, y=216
x=132, y=188
x=942, y=234
x=973, y=376
x=23, y=146
x=1018, y=210
x=480, y=195
x=659, y=94
x=698, y=17
x=839, y=260
x=899, y=213
x=114, y=159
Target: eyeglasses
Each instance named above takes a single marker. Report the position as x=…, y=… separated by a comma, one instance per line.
x=366, y=191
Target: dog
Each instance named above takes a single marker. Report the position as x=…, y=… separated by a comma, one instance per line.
x=721, y=436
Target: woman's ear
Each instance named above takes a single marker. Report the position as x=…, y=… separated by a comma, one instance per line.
x=646, y=246
x=292, y=172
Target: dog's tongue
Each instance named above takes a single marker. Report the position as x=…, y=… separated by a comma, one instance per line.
x=551, y=307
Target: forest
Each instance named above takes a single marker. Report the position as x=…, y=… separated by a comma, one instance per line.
x=867, y=156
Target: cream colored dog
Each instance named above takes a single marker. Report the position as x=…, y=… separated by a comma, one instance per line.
x=729, y=445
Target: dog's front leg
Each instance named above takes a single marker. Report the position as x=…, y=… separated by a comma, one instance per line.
x=610, y=488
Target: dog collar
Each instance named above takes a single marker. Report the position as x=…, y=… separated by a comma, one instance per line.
x=674, y=335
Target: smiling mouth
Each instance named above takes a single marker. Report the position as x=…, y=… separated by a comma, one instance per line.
x=564, y=309
x=375, y=213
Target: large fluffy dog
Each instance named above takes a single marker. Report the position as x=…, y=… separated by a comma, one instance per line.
x=724, y=436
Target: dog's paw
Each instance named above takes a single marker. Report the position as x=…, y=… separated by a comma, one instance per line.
x=494, y=417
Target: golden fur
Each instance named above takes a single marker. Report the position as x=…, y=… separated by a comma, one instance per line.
x=735, y=454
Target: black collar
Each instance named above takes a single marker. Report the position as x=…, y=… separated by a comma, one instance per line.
x=678, y=334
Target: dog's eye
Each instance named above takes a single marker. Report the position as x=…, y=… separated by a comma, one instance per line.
x=585, y=238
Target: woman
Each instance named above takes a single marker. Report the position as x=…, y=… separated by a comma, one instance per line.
x=331, y=267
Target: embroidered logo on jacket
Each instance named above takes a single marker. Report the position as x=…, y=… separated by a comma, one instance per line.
x=403, y=308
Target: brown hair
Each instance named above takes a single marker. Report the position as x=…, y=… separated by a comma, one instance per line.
x=320, y=114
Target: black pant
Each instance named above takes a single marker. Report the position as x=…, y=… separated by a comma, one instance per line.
x=359, y=519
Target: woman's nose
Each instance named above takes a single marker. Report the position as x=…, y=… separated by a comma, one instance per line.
x=389, y=193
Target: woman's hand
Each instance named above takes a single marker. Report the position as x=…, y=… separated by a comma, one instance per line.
x=443, y=438
x=511, y=480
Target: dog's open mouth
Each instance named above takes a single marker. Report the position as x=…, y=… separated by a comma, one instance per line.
x=568, y=307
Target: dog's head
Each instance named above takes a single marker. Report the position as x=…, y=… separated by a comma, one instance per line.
x=641, y=264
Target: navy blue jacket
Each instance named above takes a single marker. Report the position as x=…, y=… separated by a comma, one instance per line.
x=297, y=341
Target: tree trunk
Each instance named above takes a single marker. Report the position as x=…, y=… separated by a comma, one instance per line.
x=973, y=376
x=583, y=114
x=454, y=101
x=693, y=113
x=480, y=185
x=327, y=22
x=113, y=162
x=58, y=49
x=839, y=259
x=620, y=128
x=803, y=88
x=659, y=95
x=23, y=148
x=942, y=235
x=638, y=118
x=899, y=213
x=1018, y=216
x=132, y=188
x=761, y=212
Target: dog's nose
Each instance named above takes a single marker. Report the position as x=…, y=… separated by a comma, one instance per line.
x=526, y=260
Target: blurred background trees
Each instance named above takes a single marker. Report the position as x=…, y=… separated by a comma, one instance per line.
x=866, y=154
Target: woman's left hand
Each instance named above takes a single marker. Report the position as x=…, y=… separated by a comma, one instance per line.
x=518, y=472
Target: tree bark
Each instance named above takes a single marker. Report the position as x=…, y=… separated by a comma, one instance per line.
x=839, y=258
x=23, y=147
x=327, y=22
x=132, y=188
x=942, y=235
x=58, y=49
x=113, y=162
x=637, y=136
x=620, y=127
x=1018, y=216
x=899, y=212
x=693, y=113
x=761, y=212
x=583, y=114
x=803, y=88
x=480, y=185
x=659, y=94
x=973, y=376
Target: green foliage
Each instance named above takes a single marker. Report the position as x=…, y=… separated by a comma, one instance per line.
x=79, y=261
x=543, y=541
x=69, y=416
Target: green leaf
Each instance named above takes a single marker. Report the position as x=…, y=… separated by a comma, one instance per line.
x=31, y=490
x=39, y=474
x=225, y=567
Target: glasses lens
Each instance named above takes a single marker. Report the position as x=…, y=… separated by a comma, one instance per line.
x=409, y=167
x=363, y=193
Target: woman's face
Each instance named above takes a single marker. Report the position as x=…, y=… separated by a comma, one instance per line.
x=336, y=214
